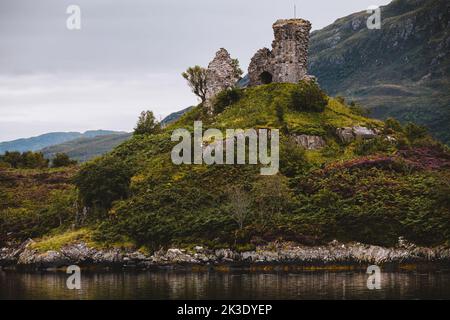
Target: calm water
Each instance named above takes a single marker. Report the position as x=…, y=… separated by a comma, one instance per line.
x=215, y=285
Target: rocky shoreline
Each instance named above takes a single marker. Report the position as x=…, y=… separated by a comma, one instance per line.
x=24, y=256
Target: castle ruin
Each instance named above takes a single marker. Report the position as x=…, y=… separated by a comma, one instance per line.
x=221, y=75
x=287, y=61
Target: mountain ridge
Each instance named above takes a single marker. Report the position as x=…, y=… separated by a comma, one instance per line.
x=85, y=148
x=401, y=70
x=48, y=139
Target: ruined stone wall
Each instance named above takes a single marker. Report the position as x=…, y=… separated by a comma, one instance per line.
x=287, y=61
x=220, y=75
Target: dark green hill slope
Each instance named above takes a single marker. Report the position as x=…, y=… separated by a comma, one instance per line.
x=368, y=190
x=401, y=70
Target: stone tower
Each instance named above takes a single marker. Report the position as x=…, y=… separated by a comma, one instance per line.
x=287, y=61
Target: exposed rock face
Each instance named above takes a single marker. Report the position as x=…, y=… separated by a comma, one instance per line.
x=221, y=75
x=274, y=253
x=414, y=41
x=349, y=134
x=363, y=132
x=309, y=142
x=287, y=61
x=345, y=134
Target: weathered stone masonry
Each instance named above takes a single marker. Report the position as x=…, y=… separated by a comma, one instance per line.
x=287, y=61
x=220, y=75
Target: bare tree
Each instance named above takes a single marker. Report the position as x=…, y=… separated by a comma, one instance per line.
x=240, y=205
x=196, y=78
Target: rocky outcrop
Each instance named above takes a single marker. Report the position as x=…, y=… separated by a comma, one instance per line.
x=287, y=61
x=363, y=70
x=273, y=253
x=348, y=134
x=221, y=75
x=309, y=142
x=364, y=133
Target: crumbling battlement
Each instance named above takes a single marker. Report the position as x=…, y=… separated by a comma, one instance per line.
x=287, y=61
x=220, y=75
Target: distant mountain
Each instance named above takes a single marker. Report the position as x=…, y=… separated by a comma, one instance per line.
x=174, y=116
x=401, y=70
x=49, y=139
x=86, y=148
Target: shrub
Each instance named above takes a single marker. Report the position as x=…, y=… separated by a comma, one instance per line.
x=102, y=182
x=415, y=132
x=292, y=159
x=340, y=99
x=226, y=98
x=62, y=160
x=279, y=111
x=331, y=150
x=12, y=158
x=308, y=96
x=26, y=160
x=4, y=165
x=35, y=220
x=356, y=108
x=392, y=125
x=272, y=197
x=365, y=147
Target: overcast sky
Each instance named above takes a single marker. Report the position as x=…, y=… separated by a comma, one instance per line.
x=128, y=55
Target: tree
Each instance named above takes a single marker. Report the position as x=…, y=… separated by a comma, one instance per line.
x=103, y=181
x=240, y=205
x=33, y=160
x=147, y=124
x=12, y=158
x=27, y=160
x=236, y=68
x=62, y=160
x=272, y=197
x=196, y=78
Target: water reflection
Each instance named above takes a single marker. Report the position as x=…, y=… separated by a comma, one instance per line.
x=216, y=285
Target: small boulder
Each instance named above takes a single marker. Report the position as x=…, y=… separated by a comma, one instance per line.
x=363, y=132
x=348, y=134
x=345, y=134
x=309, y=142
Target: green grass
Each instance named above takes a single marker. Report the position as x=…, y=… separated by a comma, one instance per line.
x=57, y=241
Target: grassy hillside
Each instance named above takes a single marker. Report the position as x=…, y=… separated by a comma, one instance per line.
x=84, y=149
x=401, y=70
x=35, y=202
x=362, y=191
x=372, y=191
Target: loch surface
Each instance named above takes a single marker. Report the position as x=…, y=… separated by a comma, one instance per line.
x=225, y=285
